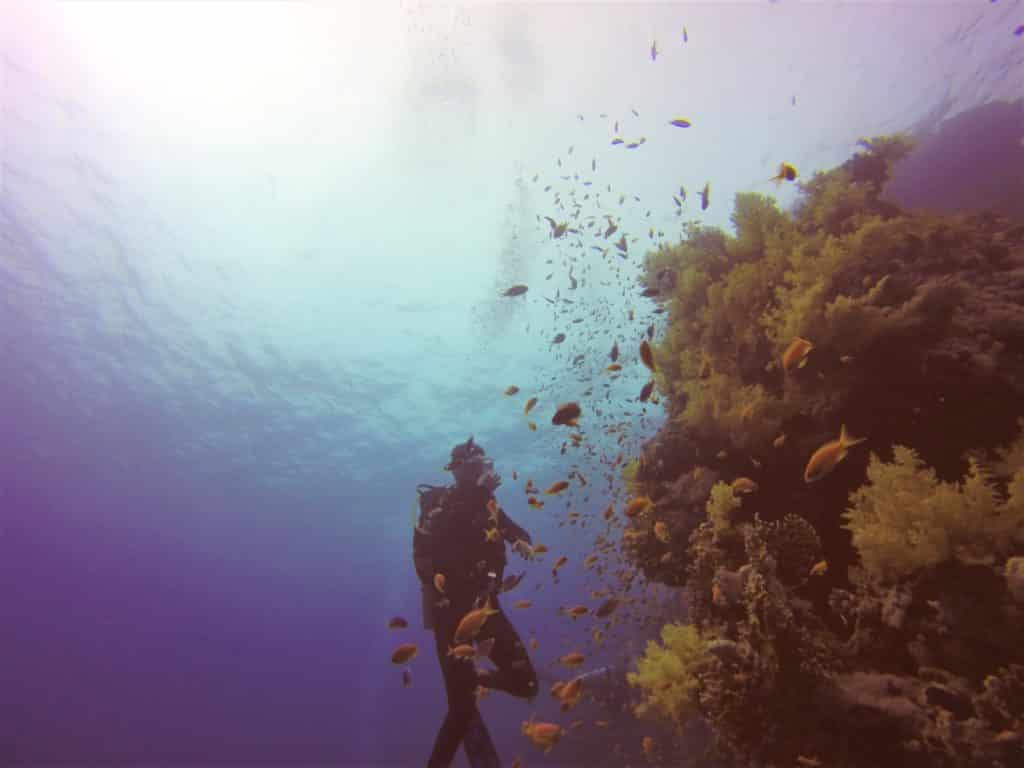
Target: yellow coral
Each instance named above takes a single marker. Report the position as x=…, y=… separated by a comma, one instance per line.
x=904, y=518
x=667, y=673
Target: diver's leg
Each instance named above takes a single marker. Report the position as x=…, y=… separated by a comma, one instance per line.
x=515, y=673
x=460, y=685
x=478, y=744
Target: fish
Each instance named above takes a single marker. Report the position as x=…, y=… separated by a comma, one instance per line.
x=511, y=390
x=828, y=456
x=616, y=140
x=575, y=611
x=607, y=607
x=543, y=735
x=532, y=426
x=633, y=145
x=650, y=331
x=647, y=356
x=614, y=354
x=648, y=293
x=559, y=563
x=705, y=196
x=614, y=368
x=682, y=192
x=743, y=485
x=645, y=393
x=638, y=506
x=654, y=50
x=846, y=359
x=463, y=651
x=535, y=503
x=610, y=230
x=567, y=414
x=403, y=653
x=397, y=623
x=516, y=290
x=593, y=164
x=558, y=229
x=556, y=487
x=439, y=582
x=471, y=623
x=621, y=244
x=819, y=568
x=558, y=339
x=540, y=549
x=572, y=659
x=522, y=603
x=647, y=745
x=511, y=582
x=492, y=535
x=533, y=643
x=635, y=113
x=796, y=354
x=529, y=405
x=786, y=172
x=779, y=441
x=686, y=37
x=661, y=532
x=609, y=512
x=680, y=122
x=406, y=678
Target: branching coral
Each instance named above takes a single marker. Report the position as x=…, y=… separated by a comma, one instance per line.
x=904, y=518
x=667, y=673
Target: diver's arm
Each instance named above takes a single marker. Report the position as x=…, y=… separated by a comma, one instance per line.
x=511, y=530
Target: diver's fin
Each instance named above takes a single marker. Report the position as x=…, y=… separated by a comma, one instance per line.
x=478, y=745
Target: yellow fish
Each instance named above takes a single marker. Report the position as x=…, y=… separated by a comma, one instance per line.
x=826, y=458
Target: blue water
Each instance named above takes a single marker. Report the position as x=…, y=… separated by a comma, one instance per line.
x=249, y=298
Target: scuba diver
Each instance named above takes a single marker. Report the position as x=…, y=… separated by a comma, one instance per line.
x=459, y=555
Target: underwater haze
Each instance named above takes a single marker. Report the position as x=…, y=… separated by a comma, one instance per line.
x=262, y=267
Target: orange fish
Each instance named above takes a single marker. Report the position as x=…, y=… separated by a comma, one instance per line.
x=403, y=653
x=536, y=503
x=607, y=607
x=566, y=414
x=573, y=659
x=471, y=623
x=575, y=611
x=557, y=487
x=529, y=405
x=661, y=532
x=743, y=485
x=544, y=735
x=820, y=568
x=613, y=368
x=647, y=355
x=540, y=549
x=532, y=426
x=826, y=458
x=522, y=603
x=397, y=623
x=796, y=354
x=638, y=506
x=559, y=563
x=609, y=512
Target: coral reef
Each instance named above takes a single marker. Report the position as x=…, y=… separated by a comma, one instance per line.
x=874, y=616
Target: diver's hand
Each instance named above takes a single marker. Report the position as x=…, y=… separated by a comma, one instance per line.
x=523, y=549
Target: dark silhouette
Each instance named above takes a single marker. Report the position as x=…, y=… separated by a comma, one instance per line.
x=452, y=540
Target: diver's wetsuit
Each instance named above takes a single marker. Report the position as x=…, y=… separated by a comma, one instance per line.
x=452, y=542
